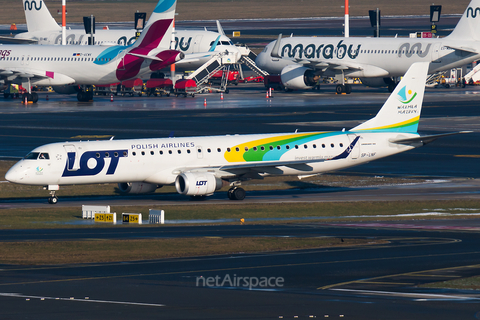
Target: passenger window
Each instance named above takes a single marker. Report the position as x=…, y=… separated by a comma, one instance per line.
x=125, y=153
x=115, y=154
x=188, y=150
x=107, y=155
x=287, y=146
x=97, y=155
x=305, y=146
x=179, y=151
x=169, y=151
x=161, y=152
x=209, y=150
x=219, y=150
x=134, y=153
x=143, y=153
x=332, y=145
x=151, y=152
x=278, y=147
x=341, y=145
x=296, y=146
x=262, y=148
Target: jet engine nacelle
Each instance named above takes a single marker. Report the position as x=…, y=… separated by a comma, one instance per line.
x=197, y=183
x=297, y=77
x=66, y=89
x=137, y=187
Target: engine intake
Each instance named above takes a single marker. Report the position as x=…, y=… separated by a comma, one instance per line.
x=297, y=77
x=197, y=184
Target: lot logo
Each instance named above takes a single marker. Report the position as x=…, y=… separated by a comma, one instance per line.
x=92, y=162
x=405, y=96
x=29, y=5
x=472, y=12
x=201, y=183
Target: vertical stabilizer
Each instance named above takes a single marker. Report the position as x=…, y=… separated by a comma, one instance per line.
x=38, y=17
x=468, y=28
x=158, y=31
x=401, y=112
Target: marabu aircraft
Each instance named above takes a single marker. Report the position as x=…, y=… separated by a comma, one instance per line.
x=43, y=29
x=198, y=166
x=54, y=65
x=377, y=61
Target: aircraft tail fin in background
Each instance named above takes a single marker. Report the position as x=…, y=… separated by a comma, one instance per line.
x=38, y=17
x=468, y=28
x=401, y=111
x=158, y=31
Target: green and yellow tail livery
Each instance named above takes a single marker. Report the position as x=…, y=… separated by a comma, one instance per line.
x=401, y=112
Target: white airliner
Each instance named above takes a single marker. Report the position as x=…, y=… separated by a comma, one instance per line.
x=198, y=166
x=43, y=29
x=54, y=65
x=377, y=61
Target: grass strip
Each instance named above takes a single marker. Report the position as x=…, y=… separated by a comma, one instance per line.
x=59, y=217
x=92, y=251
x=471, y=283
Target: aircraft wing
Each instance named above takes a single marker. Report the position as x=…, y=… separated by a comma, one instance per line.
x=11, y=40
x=256, y=167
x=195, y=57
x=423, y=140
x=465, y=49
x=11, y=74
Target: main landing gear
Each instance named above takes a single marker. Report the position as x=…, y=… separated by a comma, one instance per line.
x=85, y=95
x=31, y=97
x=236, y=193
x=343, y=88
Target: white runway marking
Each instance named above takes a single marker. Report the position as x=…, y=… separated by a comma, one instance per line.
x=18, y=295
x=419, y=296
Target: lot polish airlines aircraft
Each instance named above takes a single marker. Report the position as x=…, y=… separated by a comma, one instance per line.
x=198, y=166
x=377, y=61
x=85, y=65
x=197, y=45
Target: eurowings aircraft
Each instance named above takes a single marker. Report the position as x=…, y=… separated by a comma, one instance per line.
x=377, y=61
x=198, y=166
x=56, y=65
x=197, y=45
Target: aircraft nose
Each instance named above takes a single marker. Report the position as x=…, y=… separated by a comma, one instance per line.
x=14, y=174
x=260, y=60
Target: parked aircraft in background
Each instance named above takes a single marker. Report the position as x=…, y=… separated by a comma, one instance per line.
x=197, y=45
x=86, y=65
x=198, y=166
x=301, y=61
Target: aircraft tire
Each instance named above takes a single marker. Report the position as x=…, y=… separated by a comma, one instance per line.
x=236, y=194
x=34, y=97
x=81, y=96
x=348, y=89
x=340, y=89
x=53, y=200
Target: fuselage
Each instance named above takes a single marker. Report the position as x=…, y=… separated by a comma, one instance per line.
x=65, y=65
x=378, y=57
x=160, y=161
x=186, y=41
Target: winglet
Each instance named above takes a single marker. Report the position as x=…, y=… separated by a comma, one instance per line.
x=276, y=48
x=401, y=111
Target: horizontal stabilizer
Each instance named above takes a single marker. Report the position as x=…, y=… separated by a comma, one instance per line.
x=143, y=56
x=423, y=140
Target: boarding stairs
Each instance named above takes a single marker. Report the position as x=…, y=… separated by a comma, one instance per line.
x=249, y=61
x=435, y=79
x=216, y=63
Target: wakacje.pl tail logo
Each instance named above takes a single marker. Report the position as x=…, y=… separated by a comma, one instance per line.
x=405, y=96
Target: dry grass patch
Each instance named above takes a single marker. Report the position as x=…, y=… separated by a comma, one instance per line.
x=472, y=283
x=66, y=252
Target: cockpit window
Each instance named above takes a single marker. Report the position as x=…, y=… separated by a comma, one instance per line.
x=32, y=156
x=44, y=156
